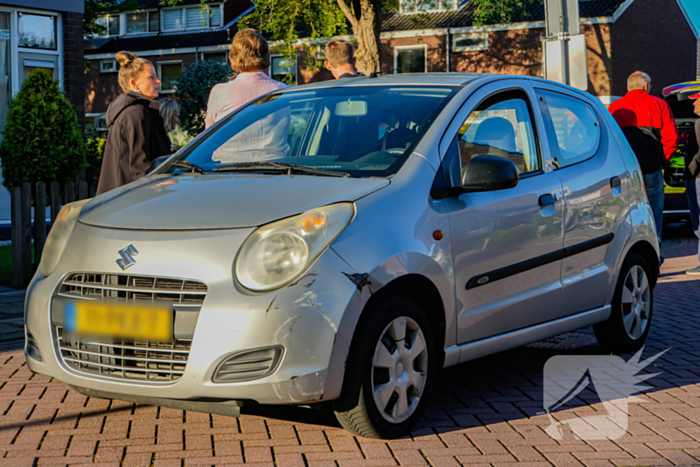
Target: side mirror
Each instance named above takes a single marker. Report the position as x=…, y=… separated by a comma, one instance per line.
x=484, y=173
x=490, y=173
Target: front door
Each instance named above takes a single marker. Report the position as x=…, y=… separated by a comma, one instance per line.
x=506, y=243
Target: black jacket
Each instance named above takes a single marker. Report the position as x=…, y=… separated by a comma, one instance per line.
x=136, y=137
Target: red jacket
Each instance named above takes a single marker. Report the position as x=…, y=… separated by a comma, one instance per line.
x=647, y=122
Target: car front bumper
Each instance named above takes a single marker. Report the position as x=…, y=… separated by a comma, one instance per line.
x=305, y=317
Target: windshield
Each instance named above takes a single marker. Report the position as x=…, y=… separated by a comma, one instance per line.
x=358, y=131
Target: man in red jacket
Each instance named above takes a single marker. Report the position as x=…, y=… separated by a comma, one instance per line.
x=648, y=124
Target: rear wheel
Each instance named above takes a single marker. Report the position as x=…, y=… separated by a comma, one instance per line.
x=632, y=305
x=389, y=370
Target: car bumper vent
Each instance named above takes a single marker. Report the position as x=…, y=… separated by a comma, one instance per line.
x=249, y=365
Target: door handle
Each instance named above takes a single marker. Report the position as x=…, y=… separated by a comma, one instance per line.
x=615, y=182
x=547, y=200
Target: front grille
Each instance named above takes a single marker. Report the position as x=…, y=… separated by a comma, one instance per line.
x=122, y=358
x=126, y=287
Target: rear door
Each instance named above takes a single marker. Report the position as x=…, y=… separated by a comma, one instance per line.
x=506, y=244
x=592, y=173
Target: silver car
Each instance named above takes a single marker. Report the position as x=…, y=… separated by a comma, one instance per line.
x=346, y=240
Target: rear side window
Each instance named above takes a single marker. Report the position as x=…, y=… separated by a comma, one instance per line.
x=572, y=128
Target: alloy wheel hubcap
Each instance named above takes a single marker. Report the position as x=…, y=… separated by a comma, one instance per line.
x=399, y=369
x=636, y=302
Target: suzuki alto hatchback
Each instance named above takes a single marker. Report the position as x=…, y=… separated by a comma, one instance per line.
x=346, y=240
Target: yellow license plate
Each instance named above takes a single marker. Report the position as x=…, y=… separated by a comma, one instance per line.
x=109, y=319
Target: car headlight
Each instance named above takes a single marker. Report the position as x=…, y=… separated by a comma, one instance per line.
x=276, y=254
x=59, y=235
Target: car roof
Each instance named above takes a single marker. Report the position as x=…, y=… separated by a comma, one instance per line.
x=403, y=79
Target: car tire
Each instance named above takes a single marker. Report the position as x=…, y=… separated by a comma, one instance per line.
x=630, y=318
x=381, y=397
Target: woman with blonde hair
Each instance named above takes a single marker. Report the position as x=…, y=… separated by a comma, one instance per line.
x=250, y=57
x=136, y=132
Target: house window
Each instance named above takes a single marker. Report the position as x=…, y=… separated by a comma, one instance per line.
x=421, y=6
x=470, y=42
x=172, y=20
x=37, y=31
x=215, y=17
x=281, y=68
x=136, y=22
x=410, y=59
x=153, y=21
x=218, y=57
x=111, y=25
x=108, y=66
x=199, y=17
x=168, y=73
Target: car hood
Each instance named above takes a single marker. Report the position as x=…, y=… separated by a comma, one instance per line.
x=191, y=202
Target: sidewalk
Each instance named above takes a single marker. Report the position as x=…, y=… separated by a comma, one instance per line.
x=484, y=413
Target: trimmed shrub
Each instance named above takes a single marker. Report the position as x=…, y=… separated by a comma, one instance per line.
x=193, y=88
x=41, y=140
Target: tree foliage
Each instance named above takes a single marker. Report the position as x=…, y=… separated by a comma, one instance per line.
x=499, y=11
x=41, y=140
x=288, y=20
x=193, y=88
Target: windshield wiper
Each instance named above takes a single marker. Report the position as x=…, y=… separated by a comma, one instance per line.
x=278, y=166
x=188, y=165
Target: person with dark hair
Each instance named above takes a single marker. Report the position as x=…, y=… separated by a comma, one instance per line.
x=136, y=133
x=250, y=57
x=340, y=59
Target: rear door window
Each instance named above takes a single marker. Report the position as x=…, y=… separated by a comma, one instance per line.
x=572, y=128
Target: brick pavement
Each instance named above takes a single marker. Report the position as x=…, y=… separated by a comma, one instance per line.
x=483, y=413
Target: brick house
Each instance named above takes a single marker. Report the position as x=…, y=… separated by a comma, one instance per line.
x=35, y=34
x=170, y=37
x=622, y=36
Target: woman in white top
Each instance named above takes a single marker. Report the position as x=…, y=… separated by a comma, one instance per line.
x=265, y=139
x=250, y=57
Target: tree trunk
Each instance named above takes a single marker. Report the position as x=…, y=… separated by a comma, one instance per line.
x=364, y=17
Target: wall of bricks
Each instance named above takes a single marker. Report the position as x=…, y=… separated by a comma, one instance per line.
x=653, y=36
x=73, y=76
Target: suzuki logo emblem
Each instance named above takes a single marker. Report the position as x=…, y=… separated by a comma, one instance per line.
x=127, y=257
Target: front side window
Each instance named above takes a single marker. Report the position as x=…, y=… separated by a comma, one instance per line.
x=169, y=74
x=136, y=22
x=572, y=128
x=410, y=60
x=37, y=31
x=354, y=131
x=500, y=126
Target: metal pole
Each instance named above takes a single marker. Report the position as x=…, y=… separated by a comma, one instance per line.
x=563, y=40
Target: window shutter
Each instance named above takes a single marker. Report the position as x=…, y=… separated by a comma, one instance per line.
x=172, y=20
x=215, y=19
x=196, y=18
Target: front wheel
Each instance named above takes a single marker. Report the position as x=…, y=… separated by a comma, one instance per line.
x=632, y=305
x=389, y=371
